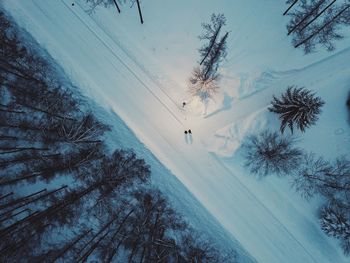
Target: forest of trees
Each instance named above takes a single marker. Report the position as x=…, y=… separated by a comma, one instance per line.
x=272, y=153
x=64, y=195
x=275, y=153
x=316, y=22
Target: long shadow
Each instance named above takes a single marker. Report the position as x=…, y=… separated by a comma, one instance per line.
x=227, y=105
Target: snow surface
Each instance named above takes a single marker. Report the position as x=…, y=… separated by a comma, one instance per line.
x=140, y=72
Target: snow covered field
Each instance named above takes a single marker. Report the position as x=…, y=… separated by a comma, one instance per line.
x=140, y=72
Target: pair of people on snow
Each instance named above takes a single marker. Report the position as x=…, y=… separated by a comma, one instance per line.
x=189, y=131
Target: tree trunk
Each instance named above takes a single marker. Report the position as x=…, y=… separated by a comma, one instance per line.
x=34, y=217
x=70, y=246
x=9, y=138
x=143, y=253
x=116, y=5
x=6, y=195
x=46, y=112
x=216, y=54
x=12, y=248
x=305, y=17
x=93, y=247
x=37, y=198
x=39, y=173
x=20, y=127
x=19, y=72
x=96, y=141
x=14, y=202
x=13, y=215
x=116, y=233
x=285, y=12
x=48, y=212
x=151, y=237
x=147, y=219
x=328, y=184
x=133, y=252
x=312, y=20
x=319, y=30
x=24, y=159
x=26, y=177
x=139, y=8
x=212, y=42
x=34, y=108
x=69, y=200
x=9, y=228
x=20, y=149
x=12, y=111
x=13, y=72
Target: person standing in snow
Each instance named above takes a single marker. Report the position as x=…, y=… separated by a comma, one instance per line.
x=190, y=137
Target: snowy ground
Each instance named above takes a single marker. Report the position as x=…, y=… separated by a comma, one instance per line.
x=140, y=73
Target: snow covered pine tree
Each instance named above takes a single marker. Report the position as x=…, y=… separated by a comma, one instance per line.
x=297, y=106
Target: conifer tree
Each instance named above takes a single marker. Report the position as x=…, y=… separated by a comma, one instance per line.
x=297, y=107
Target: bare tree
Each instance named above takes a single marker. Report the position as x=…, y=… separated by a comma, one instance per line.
x=317, y=176
x=198, y=248
x=106, y=3
x=202, y=86
x=139, y=9
x=268, y=152
x=335, y=223
x=309, y=177
x=20, y=232
x=303, y=20
x=318, y=23
x=85, y=130
x=60, y=251
x=203, y=82
x=211, y=34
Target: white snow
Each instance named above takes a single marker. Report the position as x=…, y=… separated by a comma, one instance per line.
x=227, y=140
x=140, y=72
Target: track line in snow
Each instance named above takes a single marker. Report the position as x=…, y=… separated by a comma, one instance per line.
x=124, y=64
x=262, y=205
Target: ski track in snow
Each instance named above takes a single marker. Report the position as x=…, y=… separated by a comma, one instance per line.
x=118, y=82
